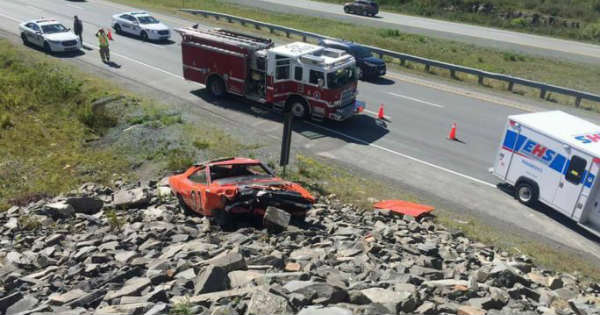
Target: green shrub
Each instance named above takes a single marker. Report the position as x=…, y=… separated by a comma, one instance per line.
x=592, y=31
x=519, y=22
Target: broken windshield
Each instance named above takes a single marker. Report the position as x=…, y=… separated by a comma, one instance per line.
x=341, y=77
x=238, y=173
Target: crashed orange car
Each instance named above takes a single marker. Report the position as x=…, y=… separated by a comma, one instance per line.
x=232, y=186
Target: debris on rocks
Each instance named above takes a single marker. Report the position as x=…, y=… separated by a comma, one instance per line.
x=341, y=261
x=402, y=207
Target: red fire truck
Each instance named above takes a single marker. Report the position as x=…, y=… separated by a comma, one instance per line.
x=311, y=81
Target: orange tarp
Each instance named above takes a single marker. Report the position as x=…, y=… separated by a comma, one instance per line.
x=404, y=207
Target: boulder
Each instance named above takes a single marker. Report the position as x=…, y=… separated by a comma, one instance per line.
x=212, y=279
x=59, y=210
x=276, y=220
x=133, y=198
x=86, y=205
x=263, y=302
x=393, y=301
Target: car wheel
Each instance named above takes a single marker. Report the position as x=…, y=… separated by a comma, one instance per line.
x=223, y=219
x=144, y=36
x=526, y=193
x=216, y=87
x=361, y=76
x=117, y=28
x=47, y=48
x=184, y=207
x=24, y=38
x=346, y=10
x=298, y=108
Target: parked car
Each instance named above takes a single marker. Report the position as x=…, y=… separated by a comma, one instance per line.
x=369, y=67
x=225, y=187
x=362, y=7
x=140, y=24
x=50, y=35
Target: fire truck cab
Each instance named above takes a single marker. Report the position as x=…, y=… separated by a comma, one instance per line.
x=309, y=80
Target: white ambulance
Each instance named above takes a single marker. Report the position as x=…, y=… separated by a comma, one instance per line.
x=553, y=157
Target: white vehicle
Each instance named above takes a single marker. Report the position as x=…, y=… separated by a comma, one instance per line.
x=140, y=24
x=49, y=34
x=553, y=157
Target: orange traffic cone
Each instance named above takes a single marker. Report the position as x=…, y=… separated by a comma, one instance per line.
x=110, y=35
x=452, y=134
x=380, y=114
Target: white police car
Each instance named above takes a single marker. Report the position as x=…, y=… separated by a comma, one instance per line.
x=140, y=24
x=49, y=34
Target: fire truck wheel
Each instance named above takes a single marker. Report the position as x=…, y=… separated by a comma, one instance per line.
x=216, y=87
x=298, y=108
x=526, y=193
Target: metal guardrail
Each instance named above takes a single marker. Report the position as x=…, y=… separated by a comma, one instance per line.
x=428, y=63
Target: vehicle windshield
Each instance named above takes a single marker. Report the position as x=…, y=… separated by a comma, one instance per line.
x=147, y=20
x=54, y=28
x=238, y=173
x=361, y=52
x=341, y=77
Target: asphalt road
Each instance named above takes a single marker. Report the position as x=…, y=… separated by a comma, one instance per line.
x=473, y=34
x=411, y=150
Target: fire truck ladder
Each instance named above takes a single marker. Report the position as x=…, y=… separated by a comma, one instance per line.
x=254, y=42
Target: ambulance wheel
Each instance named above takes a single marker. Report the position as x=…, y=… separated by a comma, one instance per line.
x=526, y=193
x=298, y=108
x=216, y=87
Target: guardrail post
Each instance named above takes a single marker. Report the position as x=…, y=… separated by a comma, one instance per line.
x=271, y=30
x=243, y=23
x=427, y=68
x=402, y=61
x=229, y=20
x=380, y=55
x=480, y=80
x=542, y=93
x=577, y=101
x=256, y=26
x=304, y=38
x=205, y=15
x=217, y=17
x=287, y=34
x=510, y=85
x=453, y=74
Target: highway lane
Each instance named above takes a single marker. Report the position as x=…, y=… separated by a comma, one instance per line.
x=412, y=150
x=473, y=34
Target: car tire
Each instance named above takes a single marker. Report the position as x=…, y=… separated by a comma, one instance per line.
x=298, y=107
x=361, y=75
x=216, y=87
x=184, y=207
x=526, y=193
x=117, y=28
x=144, y=36
x=223, y=219
x=346, y=10
x=47, y=48
x=24, y=38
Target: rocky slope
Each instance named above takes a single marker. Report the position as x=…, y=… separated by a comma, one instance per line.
x=132, y=251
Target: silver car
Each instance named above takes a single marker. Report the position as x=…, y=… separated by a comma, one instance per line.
x=50, y=35
x=140, y=24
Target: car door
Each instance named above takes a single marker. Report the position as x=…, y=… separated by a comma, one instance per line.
x=197, y=187
x=572, y=182
x=125, y=23
x=135, y=26
x=35, y=35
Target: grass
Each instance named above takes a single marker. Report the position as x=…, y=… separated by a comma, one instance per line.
x=362, y=192
x=47, y=116
x=511, y=14
x=567, y=74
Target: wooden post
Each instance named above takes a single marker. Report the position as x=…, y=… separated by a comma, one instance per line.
x=577, y=101
x=542, y=93
x=510, y=85
x=480, y=80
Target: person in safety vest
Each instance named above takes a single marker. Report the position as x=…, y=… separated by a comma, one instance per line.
x=103, y=44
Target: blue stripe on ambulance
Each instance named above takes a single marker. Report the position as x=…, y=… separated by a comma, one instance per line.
x=559, y=163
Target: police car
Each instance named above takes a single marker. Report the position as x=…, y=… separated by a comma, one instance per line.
x=140, y=24
x=50, y=35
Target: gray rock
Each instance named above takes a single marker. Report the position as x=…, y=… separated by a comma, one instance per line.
x=307, y=253
x=157, y=309
x=86, y=205
x=240, y=278
x=59, y=210
x=394, y=302
x=67, y=297
x=9, y=300
x=134, y=198
x=125, y=256
x=132, y=287
x=487, y=303
x=124, y=309
x=565, y=293
x=212, y=279
x=320, y=310
x=187, y=274
x=506, y=276
x=276, y=220
x=229, y=261
x=89, y=299
x=555, y=283
x=263, y=302
x=12, y=223
x=426, y=308
x=320, y=293
x=24, y=304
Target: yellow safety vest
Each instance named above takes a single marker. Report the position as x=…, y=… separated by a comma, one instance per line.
x=102, y=39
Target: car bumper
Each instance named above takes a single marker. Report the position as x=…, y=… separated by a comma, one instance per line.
x=376, y=71
x=158, y=37
x=347, y=111
x=59, y=47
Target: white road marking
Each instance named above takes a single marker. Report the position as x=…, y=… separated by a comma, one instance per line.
x=10, y=18
x=416, y=100
x=441, y=168
x=318, y=126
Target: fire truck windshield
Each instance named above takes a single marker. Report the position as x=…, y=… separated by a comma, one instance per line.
x=341, y=77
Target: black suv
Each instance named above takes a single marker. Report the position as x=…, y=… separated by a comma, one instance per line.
x=362, y=7
x=369, y=66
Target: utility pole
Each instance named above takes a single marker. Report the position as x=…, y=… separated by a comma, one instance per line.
x=286, y=140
